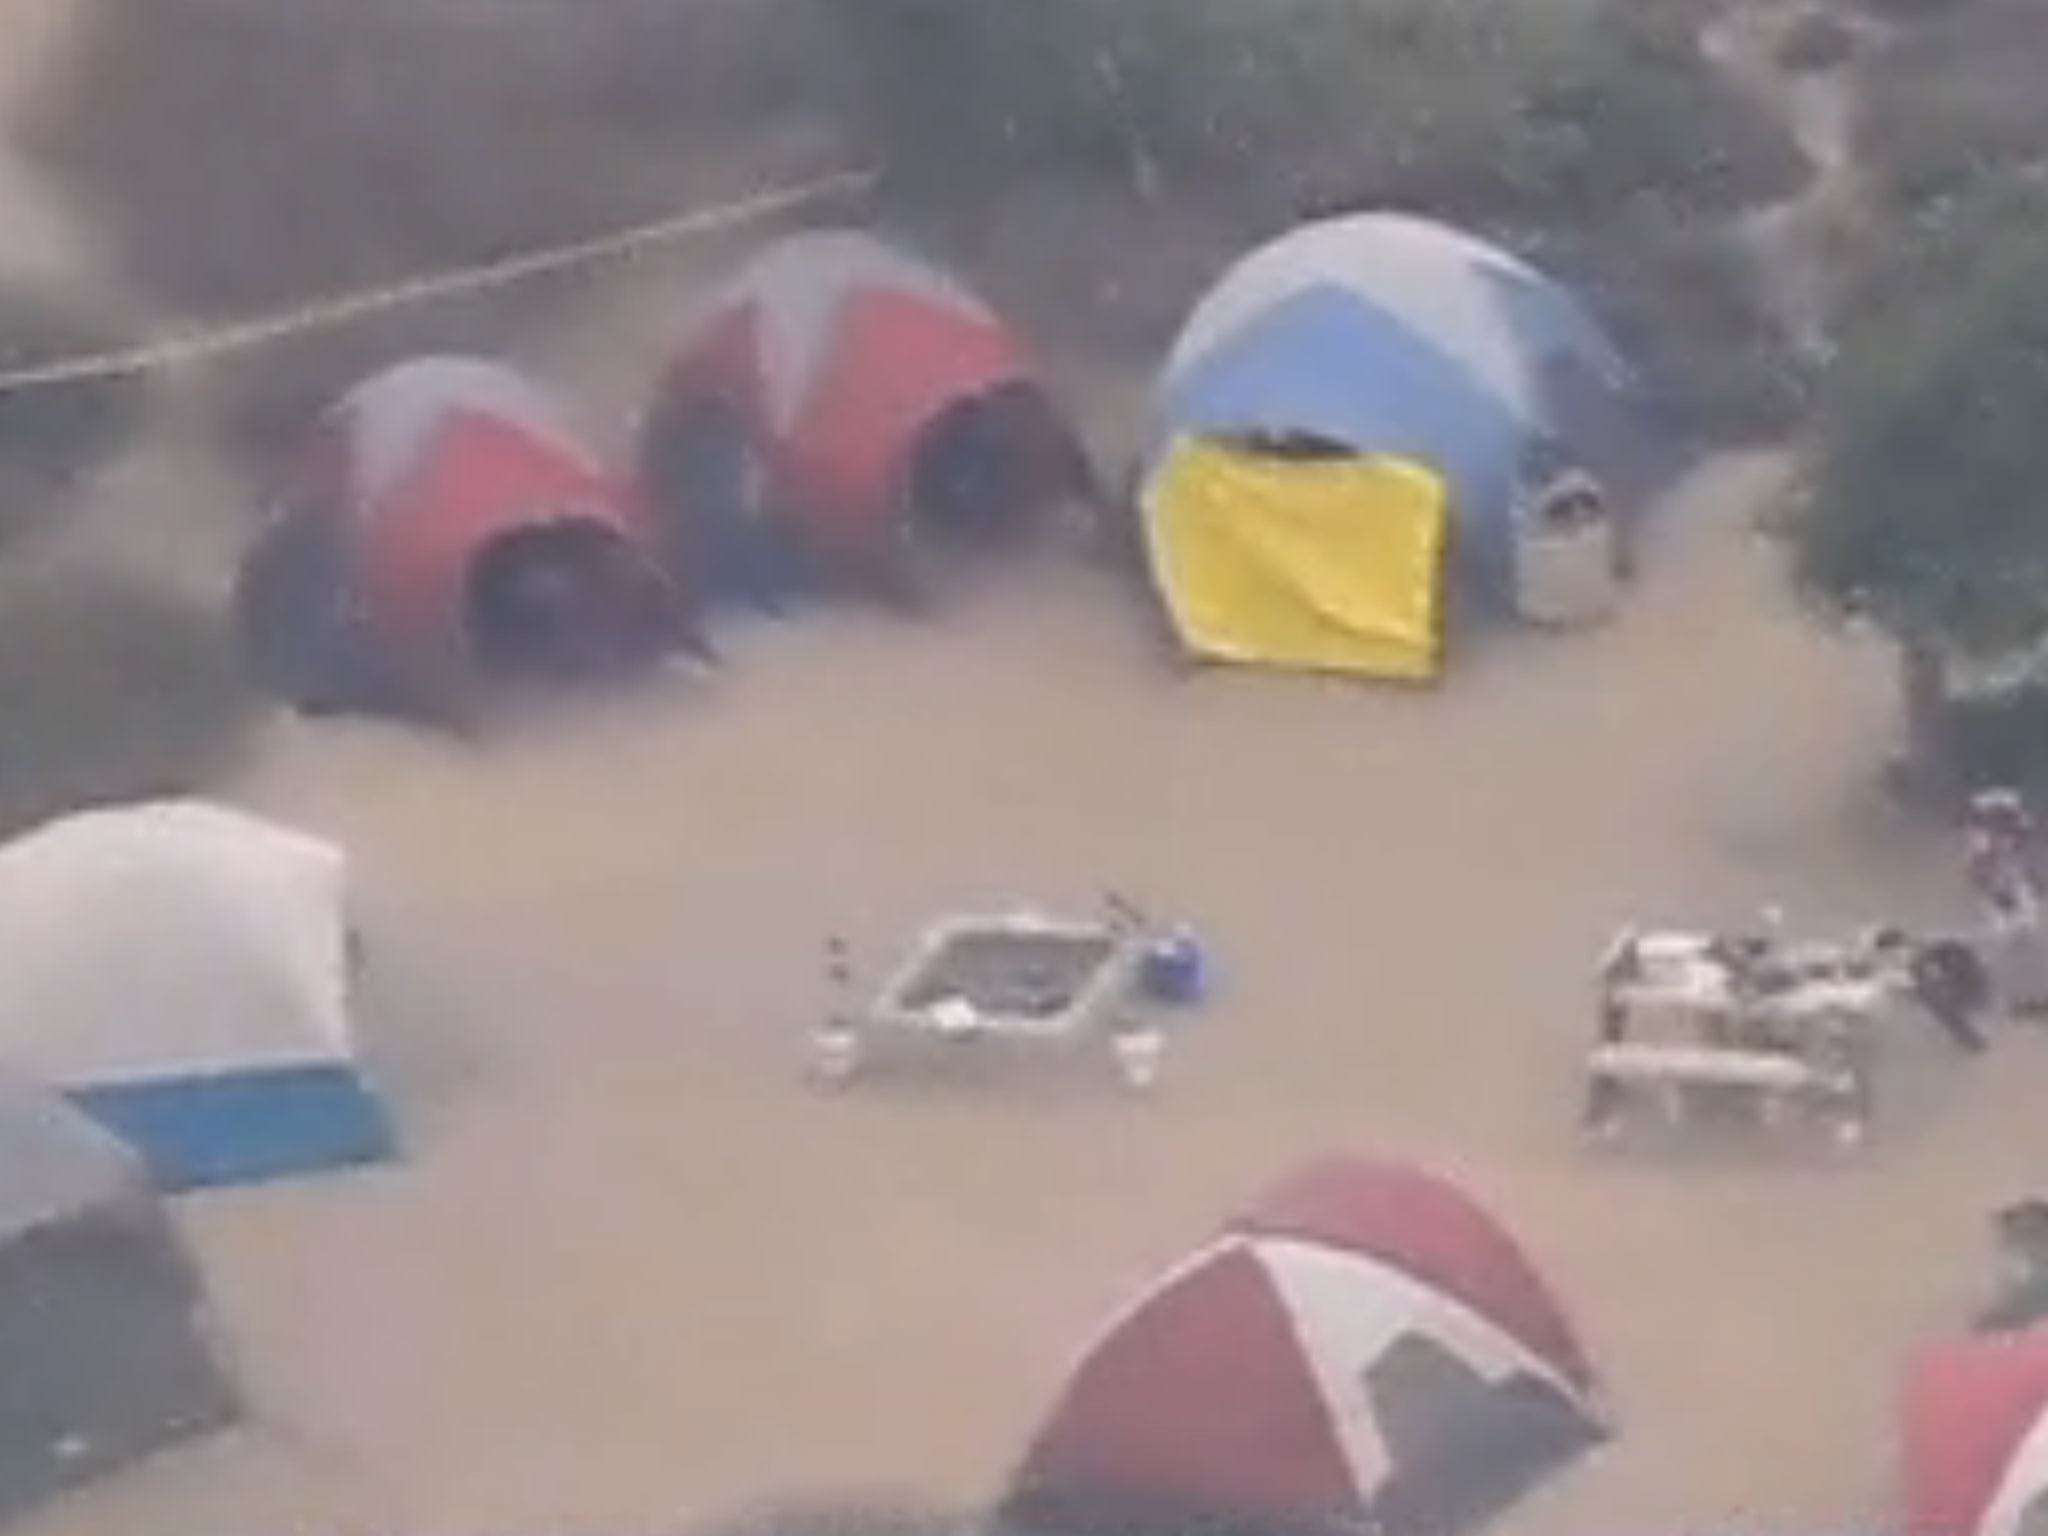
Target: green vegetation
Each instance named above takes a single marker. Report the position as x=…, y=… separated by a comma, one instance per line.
x=1954, y=133
x=1945, y=248
x=1999, y=740
x=1819, y=38
x=389, y=139
x=1684, y=300
x=1930, y=509
x=1589, y=132
x=1928, y=514
x=1563, y=108
x=1954, y=102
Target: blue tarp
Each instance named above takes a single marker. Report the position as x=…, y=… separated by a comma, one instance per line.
x=245, y=1126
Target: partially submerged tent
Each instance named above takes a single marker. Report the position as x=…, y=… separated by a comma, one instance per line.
x=182, y=972
x=1351, y=405
x=1364, y=1350
x=104, y=1343
x=840, y=398
x=1975, y=1441
x=447, y=524
x=1328, y=562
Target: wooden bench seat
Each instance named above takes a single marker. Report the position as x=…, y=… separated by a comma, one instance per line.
x=1683, y=1064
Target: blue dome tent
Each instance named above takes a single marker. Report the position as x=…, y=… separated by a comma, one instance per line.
x=1384, y=391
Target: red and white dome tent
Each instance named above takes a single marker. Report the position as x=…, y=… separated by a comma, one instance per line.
x=426, y=501
x=1365, y=1350
x=1976, y=1437
x=847, y=396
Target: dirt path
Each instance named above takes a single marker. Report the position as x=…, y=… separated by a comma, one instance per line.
x=1798, y=244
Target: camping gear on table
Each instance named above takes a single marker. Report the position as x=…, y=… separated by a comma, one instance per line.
x=1784, y=1029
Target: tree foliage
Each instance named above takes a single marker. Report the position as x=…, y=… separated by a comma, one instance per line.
x=1591, y=133
x=1929, y=511
x=1558, y=106
x=1954, y=100
x=370, y=139
x=964, y=90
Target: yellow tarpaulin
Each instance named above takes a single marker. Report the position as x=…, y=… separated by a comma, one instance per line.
x=1328, y=564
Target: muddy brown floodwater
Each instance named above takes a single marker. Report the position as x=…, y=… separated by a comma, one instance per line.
x=633, y=1268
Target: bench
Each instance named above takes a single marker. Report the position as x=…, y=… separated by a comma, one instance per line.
x=1700, y=1066
x=1670, y=1071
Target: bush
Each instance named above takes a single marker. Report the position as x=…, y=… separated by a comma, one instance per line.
x=1684, y=302
x=1956, y=102
x=2000, y=741
x=1636, y=112
x=1945, y=247
x=247, y=153
x=109, y=691
x=1278, y=106
x=52, y=435
x=967, y=96
x=1818, y=39
x=1926, y=508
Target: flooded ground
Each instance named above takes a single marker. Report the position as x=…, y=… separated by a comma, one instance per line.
x=633, y=1267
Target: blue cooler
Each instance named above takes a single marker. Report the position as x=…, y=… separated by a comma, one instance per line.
x=1176, y=971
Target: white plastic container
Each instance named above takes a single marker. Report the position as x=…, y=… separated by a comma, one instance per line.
x=1567, y=568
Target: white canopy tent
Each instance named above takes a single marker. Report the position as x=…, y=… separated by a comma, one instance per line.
x=181, y=970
